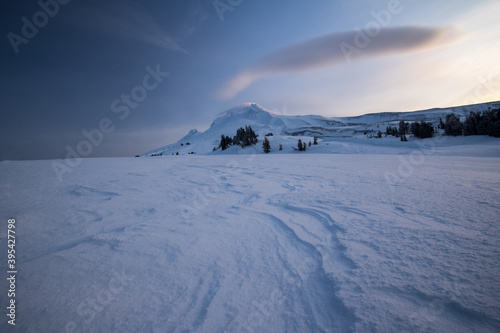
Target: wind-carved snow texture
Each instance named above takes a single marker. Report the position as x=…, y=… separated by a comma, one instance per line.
x=266, y=243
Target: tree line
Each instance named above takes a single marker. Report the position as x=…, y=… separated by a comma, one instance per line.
x=476, y=123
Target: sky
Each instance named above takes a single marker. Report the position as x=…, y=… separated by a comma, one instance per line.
x=130, y=76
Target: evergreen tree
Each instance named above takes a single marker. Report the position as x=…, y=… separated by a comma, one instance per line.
x=239, y=137
x=426, y=130
x=245, y=137
x=379, y=135
x=266, y=146
x=299, y=145
x=315, y=140
x=471, y=123
x=225, y=142
x=415, y=128
x=484, y=121
x=422, y=130
x=310, y=143
x=494, y=130
x=403, y=129
x=281, y=146
x=453, y=125
x=250, y=136
x=222, y=142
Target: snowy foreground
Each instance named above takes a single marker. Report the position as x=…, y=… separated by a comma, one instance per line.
x=256, y=243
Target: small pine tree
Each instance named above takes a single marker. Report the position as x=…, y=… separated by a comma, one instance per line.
x=453, y=125
x=415, y=128
x=299, y=145
x=310, y=143
x=281, y=147
x=266, y=146
x=225, y=142
x=426, y=130
x=403, y=128
x=379, y=135
x=470, y=124
x=484, y=122
x=315, y=142
x=494, y=130
x=250, y=136
x=238, y=138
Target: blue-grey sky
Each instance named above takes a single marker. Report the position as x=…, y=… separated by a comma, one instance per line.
x=67, y=65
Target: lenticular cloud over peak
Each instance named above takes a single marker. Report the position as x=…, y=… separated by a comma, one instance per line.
x=338, y=48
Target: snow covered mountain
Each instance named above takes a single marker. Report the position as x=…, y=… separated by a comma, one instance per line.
x=349, y=241
x=286, y=128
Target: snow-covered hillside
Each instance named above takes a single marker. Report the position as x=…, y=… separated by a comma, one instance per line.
x=355, y=235
x=286, y=128
x=357, y=242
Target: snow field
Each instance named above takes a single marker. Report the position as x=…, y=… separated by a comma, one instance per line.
x=257, y=243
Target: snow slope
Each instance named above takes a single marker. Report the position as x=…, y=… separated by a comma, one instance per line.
x=286, y=128
x=360, y=242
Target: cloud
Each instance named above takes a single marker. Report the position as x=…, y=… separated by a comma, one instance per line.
x=339, y=48
x=124, y=19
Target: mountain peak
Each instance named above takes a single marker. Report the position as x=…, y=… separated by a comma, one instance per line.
x=246, y=108
x=248, y=111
